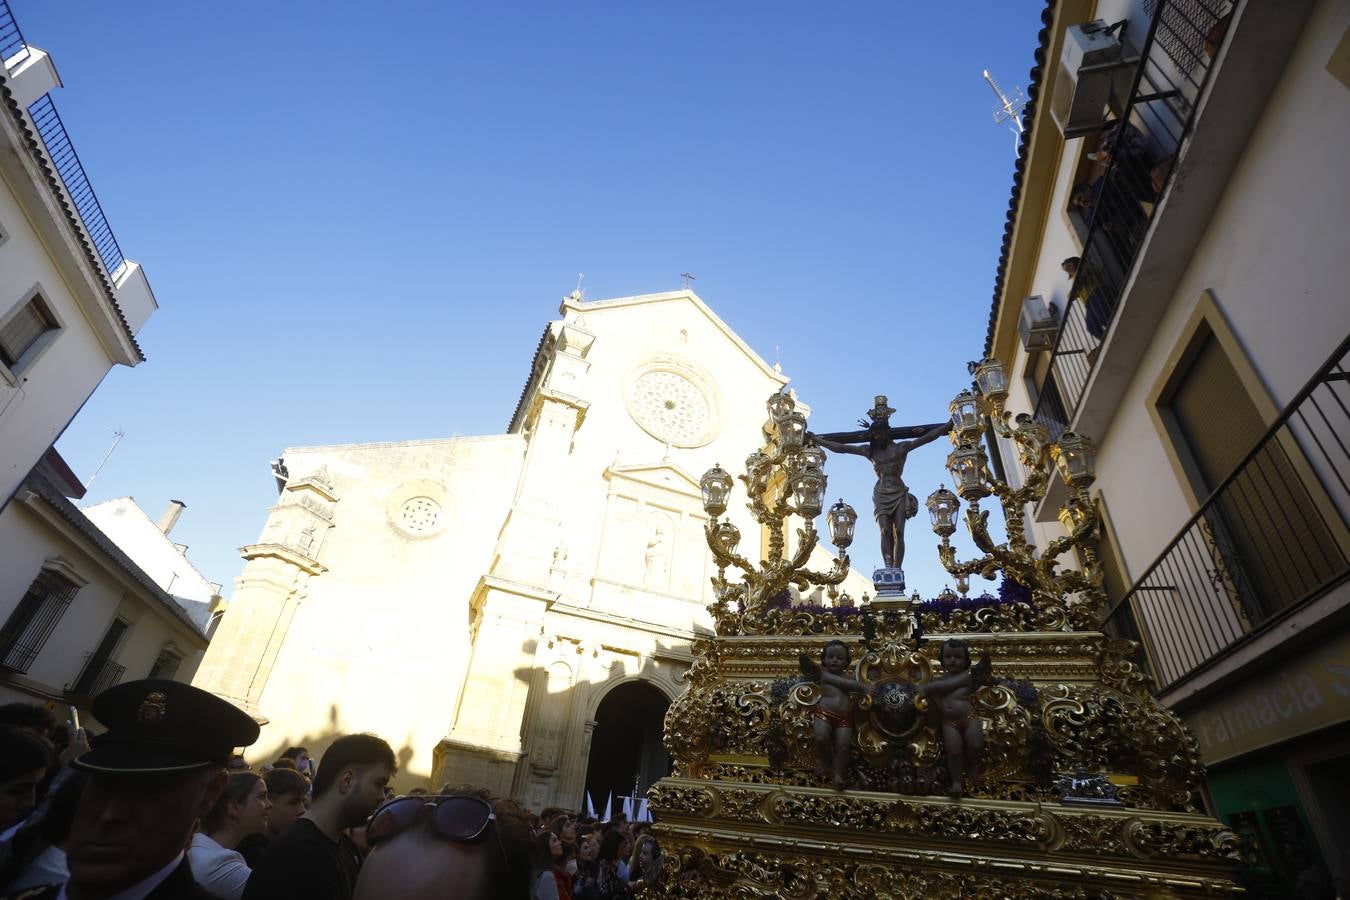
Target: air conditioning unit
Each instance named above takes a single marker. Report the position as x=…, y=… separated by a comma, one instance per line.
x=1088, y=67
x=1038, y=325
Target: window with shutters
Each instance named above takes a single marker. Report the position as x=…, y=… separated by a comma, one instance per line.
x=33, y=620
x=166, y=664
x=1256, y=520
x=24, y=331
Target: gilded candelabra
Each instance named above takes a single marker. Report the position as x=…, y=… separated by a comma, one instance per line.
x=1064, y=599
x=784, y=479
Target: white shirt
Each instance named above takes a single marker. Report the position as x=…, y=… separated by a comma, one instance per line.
x=216, y=870
x=136, y=891
x=48, y=867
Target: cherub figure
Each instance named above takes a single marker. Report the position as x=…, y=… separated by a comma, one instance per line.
x=962, y=730
x=833, y=713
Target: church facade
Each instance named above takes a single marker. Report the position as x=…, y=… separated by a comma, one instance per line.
x=512, y=611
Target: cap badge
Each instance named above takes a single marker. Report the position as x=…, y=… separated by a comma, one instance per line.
x=153, y=708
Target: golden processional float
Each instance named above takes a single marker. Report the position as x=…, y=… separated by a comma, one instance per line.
x=1046, y=769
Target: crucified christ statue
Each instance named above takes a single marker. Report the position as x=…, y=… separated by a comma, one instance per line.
x=892, y=503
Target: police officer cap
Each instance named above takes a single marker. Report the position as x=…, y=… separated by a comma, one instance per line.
x=155, y=725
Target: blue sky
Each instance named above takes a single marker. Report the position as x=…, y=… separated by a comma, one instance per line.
x=357, y=217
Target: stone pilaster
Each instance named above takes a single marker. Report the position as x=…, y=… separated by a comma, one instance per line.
x=274, y=583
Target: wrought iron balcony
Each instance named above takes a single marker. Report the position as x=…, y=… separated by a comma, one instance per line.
x=12, y=44
x=97, y=675
x=67, y=163
x=1269, y=540
x=1183, y=39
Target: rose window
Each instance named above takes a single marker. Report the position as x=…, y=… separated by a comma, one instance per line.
x=670, y=407
x=420, y=514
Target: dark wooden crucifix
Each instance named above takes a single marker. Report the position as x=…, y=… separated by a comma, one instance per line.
x=887, y=446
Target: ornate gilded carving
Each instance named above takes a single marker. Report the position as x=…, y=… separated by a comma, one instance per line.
x=746, y=814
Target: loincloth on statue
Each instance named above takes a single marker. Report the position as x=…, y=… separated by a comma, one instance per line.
x=834, y=719
x=886, y=501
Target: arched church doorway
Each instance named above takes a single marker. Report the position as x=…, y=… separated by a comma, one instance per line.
x=626, y=746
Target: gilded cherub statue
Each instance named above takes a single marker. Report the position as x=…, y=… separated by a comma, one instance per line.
x=833, y=713
x=962, y=730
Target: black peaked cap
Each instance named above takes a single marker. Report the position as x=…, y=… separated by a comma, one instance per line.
x=156, y=726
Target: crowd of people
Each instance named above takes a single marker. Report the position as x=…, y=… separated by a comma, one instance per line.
x=159, y=807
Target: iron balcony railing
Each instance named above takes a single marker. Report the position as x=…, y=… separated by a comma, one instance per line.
x=1271, y=538
x=97, y=675
x=1183, y=38
x=12, y=44
x=66, y=161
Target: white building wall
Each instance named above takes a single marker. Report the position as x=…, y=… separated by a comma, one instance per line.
x=132, y=529
x=38, y=401
x=1275, y=255
x=27, y=540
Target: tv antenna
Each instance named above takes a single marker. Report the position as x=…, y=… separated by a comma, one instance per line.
x=1008, y=108
x=687, y=279
x=117, y=439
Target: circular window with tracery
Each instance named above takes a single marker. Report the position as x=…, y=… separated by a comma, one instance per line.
x=420, y=514
x=671, y=408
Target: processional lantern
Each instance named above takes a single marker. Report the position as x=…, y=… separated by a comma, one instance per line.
x=842, y=518
x=716, y=485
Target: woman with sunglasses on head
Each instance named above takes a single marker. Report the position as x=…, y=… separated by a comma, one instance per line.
x=461, y=844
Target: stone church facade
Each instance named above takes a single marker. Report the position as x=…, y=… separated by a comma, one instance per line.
x=475, y=600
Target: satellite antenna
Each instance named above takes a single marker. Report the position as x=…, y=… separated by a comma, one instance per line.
x=1008, y=108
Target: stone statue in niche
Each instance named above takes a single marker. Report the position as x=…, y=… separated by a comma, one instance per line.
x=308, y=537
x=962, y=730
x=833, y=713
x=656, y=572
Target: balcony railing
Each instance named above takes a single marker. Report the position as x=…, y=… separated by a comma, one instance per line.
x=67, y=164
x=12, y=43
x=97, y=675
x=1153, y=122
x=1270, y=539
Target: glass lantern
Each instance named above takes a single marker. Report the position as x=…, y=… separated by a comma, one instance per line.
x=992, y=379
x=963, y=584
x=757, y=472
x=966, y=423
x=728, y=535
x=841, y=518
x=813, y=457
x=1075, y=457
x=716, y=485
x=942, y=506
x=808, y=491
x=966, y=463
x=792, y=431
x=780, y=404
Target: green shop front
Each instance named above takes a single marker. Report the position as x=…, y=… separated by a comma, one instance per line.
x=1277, y=745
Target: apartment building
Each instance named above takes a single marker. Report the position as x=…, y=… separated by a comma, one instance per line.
x=1172, y=285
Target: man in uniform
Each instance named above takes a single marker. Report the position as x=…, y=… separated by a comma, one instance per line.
x=157, y=769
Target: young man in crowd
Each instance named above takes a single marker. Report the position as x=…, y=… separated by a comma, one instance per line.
x=289, y=792
x=157, y=769
x=313, y=858
x=300, y=756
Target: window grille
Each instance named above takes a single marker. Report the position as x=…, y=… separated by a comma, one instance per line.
x=33, y=620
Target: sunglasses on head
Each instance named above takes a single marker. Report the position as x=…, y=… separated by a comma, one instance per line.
x=455, y=817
